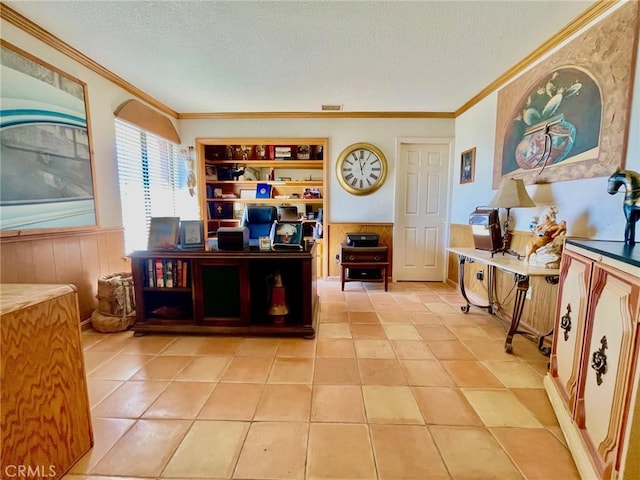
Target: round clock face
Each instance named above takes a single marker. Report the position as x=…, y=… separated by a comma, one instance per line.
x=361, y=168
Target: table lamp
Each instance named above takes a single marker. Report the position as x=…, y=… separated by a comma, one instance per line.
x=511, y=194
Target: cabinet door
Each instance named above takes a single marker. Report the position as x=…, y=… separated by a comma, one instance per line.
x=606, y=372
x=571, y=314
x=221, y=291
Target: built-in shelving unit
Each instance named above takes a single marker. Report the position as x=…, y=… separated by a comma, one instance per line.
x=272, y=171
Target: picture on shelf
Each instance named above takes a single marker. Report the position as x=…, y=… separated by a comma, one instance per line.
x=283, y=153
x=263, y=190
x=287, y=234
x=247, y=193
x=211, y=172
x=191, y=234
x=163, y=233
x=303, y=152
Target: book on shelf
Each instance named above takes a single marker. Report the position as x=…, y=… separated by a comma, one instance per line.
x=167, y=273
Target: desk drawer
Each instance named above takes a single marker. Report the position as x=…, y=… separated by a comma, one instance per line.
x=364, y=254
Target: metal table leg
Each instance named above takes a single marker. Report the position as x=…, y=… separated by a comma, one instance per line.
x=465, y=308
x=522, y=285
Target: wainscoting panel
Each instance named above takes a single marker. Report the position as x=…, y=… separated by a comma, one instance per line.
x=79, y=258
x=337, y=234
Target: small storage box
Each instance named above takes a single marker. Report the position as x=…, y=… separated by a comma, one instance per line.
x=485, y=225
x=233, y=238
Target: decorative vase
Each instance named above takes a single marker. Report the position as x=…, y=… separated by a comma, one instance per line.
x=546, y=143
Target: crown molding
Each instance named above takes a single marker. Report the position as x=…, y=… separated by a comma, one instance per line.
x=248, y=115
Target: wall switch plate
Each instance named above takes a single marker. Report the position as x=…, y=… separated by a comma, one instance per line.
x=528, y=294
x=480, y=275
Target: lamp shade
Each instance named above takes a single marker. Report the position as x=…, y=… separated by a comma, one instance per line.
x=511, y=193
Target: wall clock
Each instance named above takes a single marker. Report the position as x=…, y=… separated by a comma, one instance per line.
x=361, y=168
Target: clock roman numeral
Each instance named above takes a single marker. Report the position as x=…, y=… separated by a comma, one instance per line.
x=361, y=184
x=375, y=177
x=348, y=177
x=376, y=169
x=354, y=181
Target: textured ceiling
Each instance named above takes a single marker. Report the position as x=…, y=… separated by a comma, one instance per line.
x=264, y=56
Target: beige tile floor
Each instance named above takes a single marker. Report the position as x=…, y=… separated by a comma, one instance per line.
x=396, y=385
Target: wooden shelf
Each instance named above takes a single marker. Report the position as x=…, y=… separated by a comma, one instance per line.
x=290, y=183
x=270, y=201
x=307, y=164
x=230, y=155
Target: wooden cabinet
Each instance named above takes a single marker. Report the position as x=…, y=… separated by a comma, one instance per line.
x=593, y=378
x=225, y=292
x=233, y=169
x=46, y=421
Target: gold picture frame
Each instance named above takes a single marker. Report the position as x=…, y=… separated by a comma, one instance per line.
x=468, y=165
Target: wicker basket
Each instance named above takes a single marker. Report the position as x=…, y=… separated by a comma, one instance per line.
x=116, y=303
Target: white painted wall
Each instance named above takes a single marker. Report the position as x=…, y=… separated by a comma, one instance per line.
x=589, y=210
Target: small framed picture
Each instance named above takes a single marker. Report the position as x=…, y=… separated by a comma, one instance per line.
x=287, y=234
x=468, y=165
x=163, y=233
x=191, y=234
x=211, y=172
x=248, y=193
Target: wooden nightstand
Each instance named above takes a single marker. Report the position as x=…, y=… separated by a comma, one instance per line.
x=372, y=262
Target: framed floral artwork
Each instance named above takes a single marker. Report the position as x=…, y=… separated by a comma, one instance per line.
x=567, y=117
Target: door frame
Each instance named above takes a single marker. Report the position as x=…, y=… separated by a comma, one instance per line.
x=400, y=141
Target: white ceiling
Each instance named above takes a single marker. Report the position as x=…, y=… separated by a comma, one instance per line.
x=266, y=56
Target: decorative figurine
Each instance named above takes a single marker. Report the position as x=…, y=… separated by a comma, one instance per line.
x=631, y=203
x=545, y=248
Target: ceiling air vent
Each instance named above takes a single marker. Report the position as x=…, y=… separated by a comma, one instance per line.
x=331, y=108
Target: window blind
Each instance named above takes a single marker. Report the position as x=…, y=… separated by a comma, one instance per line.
x=152, y=176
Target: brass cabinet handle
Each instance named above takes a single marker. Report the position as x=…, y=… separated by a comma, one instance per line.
x=565, y=322
x=352, y=257
x=599, y=360
x=377, y=258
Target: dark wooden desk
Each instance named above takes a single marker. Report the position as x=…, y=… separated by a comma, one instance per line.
x=224, y=292
x=521, y=272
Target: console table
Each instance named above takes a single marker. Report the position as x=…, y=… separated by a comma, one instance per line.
x=521, y=274
x=224, y=292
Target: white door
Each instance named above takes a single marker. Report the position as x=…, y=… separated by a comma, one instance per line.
x=422, y=180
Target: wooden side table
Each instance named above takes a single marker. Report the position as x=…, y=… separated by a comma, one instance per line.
x=364, y=258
